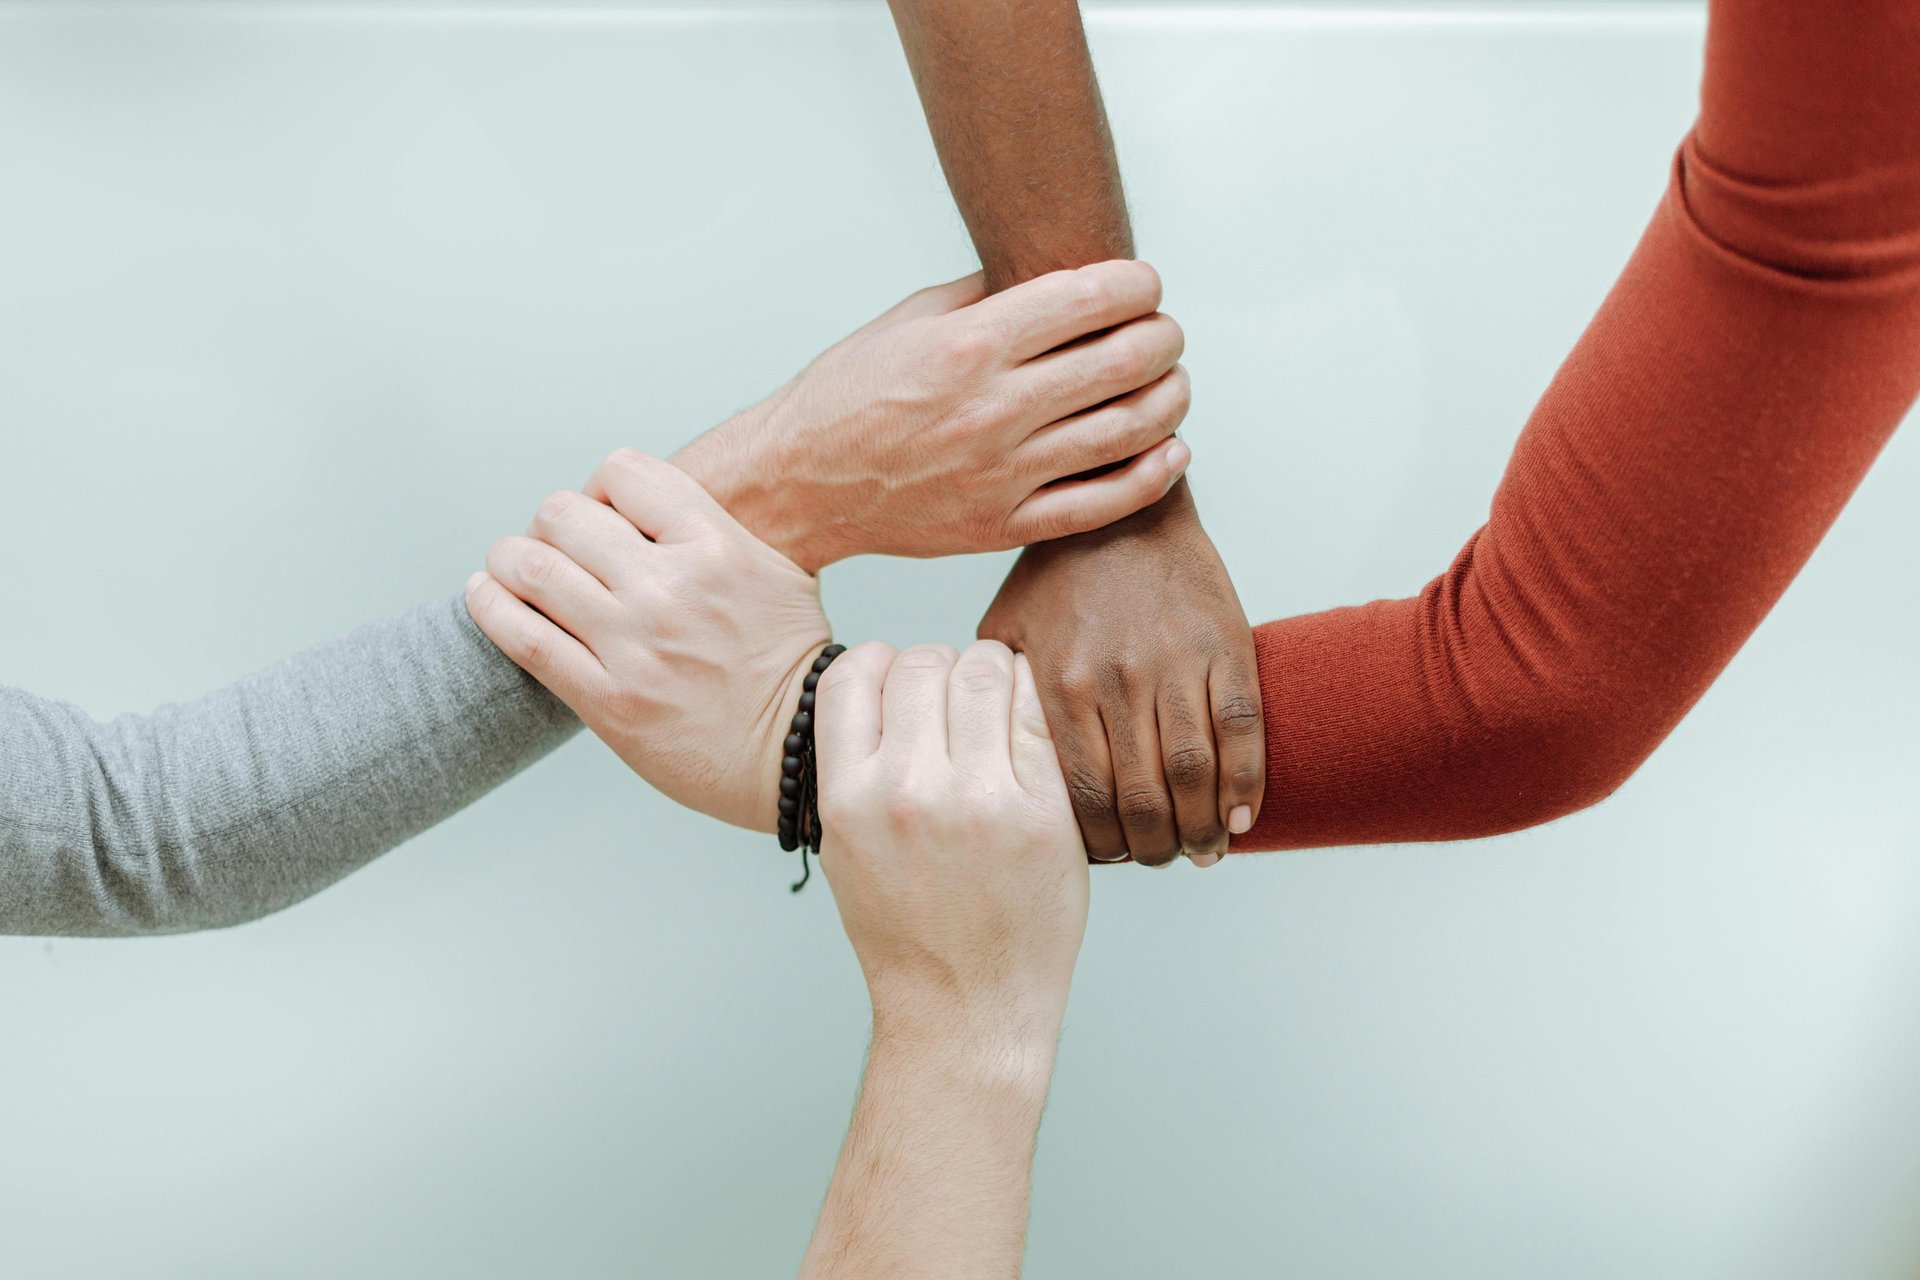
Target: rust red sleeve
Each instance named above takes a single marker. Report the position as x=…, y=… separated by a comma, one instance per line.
x=1757, y=352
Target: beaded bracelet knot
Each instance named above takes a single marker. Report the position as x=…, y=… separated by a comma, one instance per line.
x=799, y=774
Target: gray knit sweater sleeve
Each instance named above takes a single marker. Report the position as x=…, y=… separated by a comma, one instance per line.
x=250, y=799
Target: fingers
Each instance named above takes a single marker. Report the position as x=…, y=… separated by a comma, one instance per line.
x=572, y=598
x=656, y=497
x=1075, y=506
x=914, y=704
x=980, y=710
x=847, y=722
x=1110, y=433
x=1061, y=306
x=936, y=300
x=540, y=648
x=1140, y=788
x=1086, y=764
x=1036, y=766
x=592, y=535
x=1188, y=761
x=1240, y=733
x=1089, y=373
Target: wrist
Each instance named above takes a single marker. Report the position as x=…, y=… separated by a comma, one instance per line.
x=1006, y=1040
x=1174, y=515
x=740, y=463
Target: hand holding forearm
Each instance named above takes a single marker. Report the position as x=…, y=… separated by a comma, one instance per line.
x=676, y=635
x=953, y=424
x=1147, y=667
x=962, y=884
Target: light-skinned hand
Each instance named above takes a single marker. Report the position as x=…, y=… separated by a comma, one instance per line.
x=959, y=423
x=950, y=845
x=677, y=636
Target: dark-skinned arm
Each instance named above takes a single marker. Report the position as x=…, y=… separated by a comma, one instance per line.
x=1144, y=657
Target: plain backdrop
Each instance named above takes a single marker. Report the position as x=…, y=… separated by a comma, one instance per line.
x=302, y=304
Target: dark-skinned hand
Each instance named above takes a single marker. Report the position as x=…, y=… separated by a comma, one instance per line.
x=1146, y=667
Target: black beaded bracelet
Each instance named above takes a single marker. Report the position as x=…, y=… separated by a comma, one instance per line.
x=799, y=777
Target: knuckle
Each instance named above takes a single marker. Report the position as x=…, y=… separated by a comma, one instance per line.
x=1120, y=674
x=484, y=604
x=1152, y=277
x=1062, y=521
x=984, y=421
x=1179, y=394
x=625, y=458
x=1204, y=836
x=976, y=678
x=991, y=653
x=1080, y=680
x=987, y=665
x=925, y=657
x=1091, y=794
x=1091, y=293
x=1144, y=804
x=1125, y=359
x=536, y=570
x=902, y=808
x=965, y=347
x=1171, y=337
x=1189, y=766
x=1138, y=427
x=1238, y=716
x=832, y=679
x=530, y=649
x=1156, y=855
x=554, y=508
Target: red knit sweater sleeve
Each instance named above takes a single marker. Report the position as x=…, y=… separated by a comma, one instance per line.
x=1757, y=352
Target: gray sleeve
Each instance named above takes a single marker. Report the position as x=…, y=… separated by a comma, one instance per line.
x=248, y=800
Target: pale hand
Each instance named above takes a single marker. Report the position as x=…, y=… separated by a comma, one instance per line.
x=958, y=423
x=677, y=636
x=950, y=844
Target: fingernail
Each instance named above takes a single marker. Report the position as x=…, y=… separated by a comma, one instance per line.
x=1162, y=866
x=1178, y=456
x=1115, y=858
x=1203, y=859
x=474, y=582
x=1240, y=819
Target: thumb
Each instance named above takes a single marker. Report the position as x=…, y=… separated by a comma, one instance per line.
x=936, y=300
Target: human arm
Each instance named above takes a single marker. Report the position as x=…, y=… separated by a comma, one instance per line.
x=1758, y=350
x=663, y=616
x=233, y=806
x=1158, y=725
x=959, y=874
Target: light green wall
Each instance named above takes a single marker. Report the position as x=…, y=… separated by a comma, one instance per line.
x=300, y=305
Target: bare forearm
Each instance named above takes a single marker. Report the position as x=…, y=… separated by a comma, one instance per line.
x=934, y=1177
x=1015, y=111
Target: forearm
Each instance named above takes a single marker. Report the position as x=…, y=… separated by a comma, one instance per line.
x=1739, y=381
x=934, y=1177
x=262, y=794
x=1010, y=96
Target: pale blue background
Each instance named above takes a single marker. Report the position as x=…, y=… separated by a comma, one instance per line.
x=301, y=304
